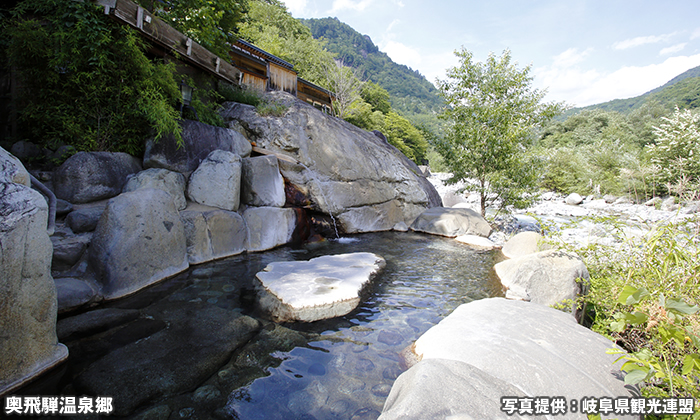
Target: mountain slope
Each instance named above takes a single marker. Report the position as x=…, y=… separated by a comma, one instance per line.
x=683, y=90
x=411, y=92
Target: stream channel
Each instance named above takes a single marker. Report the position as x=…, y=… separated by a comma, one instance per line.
x=341, y=368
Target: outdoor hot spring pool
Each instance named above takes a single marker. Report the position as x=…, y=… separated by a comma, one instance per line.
x=342, y=368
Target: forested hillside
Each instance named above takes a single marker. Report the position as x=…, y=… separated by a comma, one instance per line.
x=411, y=92
x=682, y=91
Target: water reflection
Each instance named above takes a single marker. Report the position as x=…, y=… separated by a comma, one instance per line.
x=347, y=366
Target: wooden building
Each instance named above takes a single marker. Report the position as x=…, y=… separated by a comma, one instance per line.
x=248, y=66
x=165, y=37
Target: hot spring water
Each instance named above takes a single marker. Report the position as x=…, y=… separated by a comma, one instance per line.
x=339, y=368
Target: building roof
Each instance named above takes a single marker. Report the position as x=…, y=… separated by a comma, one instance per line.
x=247, y=46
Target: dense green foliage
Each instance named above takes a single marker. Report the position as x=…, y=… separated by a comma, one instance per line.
x=269, y=26
x=492, y=113
x=213, y=24
x=410, y=92
x=682, y=91
x=675, y=155
x=644, y=153
x=644, y=295
x=86, y=79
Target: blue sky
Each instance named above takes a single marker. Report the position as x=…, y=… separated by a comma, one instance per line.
x=582, y=51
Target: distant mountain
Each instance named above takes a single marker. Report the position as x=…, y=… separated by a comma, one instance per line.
x=411, y=92
x=683, y=90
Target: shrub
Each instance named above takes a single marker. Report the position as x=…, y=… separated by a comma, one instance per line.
x=86, y=80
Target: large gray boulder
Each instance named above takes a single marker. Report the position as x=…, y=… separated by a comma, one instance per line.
x=198, y=141
x=548, y=278
x=12, y=170
x=340, y=167
x=444, y=388
x=139, y=240
x=537, y=350
x=524, y=243
x=451, y=222
x=162, y=179
x=27, y=292
x=212, y=233
x=268, y=227
x=93, y=176
x=261, y=182
x=321, y=288
x=217, y=181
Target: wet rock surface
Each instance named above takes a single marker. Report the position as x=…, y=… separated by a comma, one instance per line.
x=451, y=222
x=321, y=288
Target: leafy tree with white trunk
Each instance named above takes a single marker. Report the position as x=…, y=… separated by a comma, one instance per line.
x=492, y=114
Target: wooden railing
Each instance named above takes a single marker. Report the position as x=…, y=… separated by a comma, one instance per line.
x=158, y=32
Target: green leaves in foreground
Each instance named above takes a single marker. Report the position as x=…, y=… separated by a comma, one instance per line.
x=657, y=363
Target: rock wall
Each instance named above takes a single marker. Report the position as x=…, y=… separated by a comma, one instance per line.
x=367, y=184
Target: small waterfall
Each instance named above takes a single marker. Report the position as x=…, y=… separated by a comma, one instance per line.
x=323, y=195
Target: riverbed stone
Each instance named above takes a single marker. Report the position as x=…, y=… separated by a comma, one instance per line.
x=85, y=219
x=536, y=349
x=28, y=303
x=212, y=233
x=195, y=344
x=198, y=141
x=139, y=240
x=93, y=322
x=321, y=288
x=451, y=222
x=261, y=182
x=67, y=250
x=217, y=181
x=268, y=227
x=476, y=241
x=92, y=176
x=524, y=243
x=162, y=179
x=573, y=199
x=547, y=278
x=73, y=293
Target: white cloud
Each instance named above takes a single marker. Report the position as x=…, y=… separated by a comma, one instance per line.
x=589, y=87
x=570, y=57
x=673, y=49
x=695, y=34
x=642, y=40
x=358, y=6
x=401, y=53
x=392, y=24
x=296, y=7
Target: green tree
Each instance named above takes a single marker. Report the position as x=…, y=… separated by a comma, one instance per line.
x=492, y=113
x=86, y=80
x=676, y=153
x=269, y=26
x=213, y=24
x=376, y=96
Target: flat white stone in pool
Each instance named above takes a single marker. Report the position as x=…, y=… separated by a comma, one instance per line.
x=321, y=288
